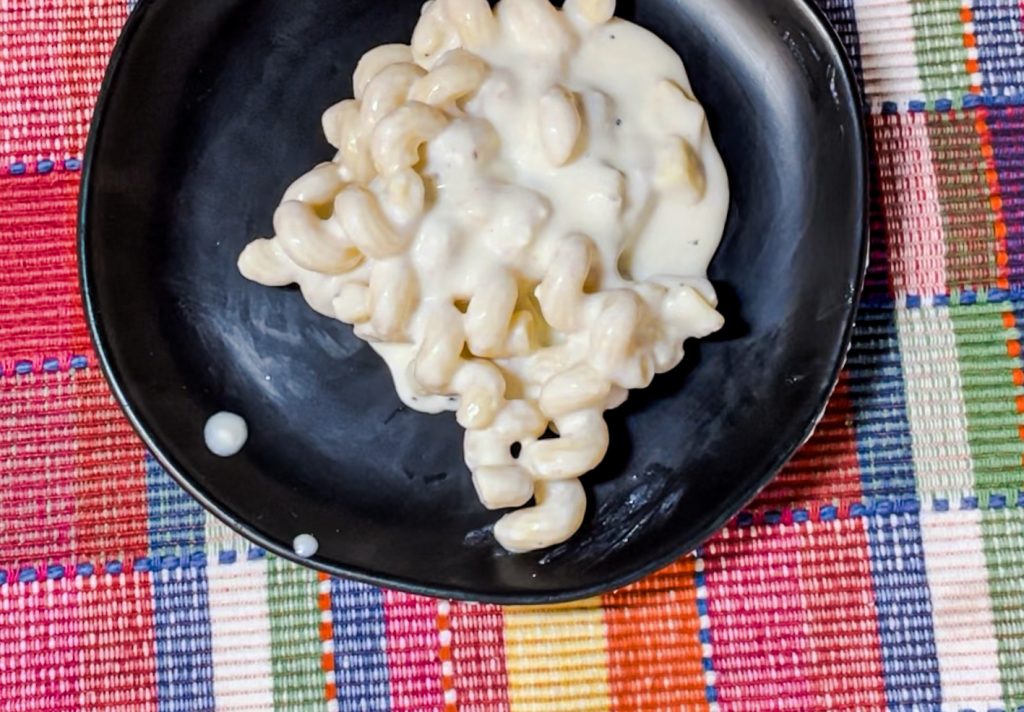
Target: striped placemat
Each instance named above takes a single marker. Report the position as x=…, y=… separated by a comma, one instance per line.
x=883, y=569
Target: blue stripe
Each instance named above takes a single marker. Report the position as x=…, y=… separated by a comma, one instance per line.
x=177, y=523
x=875, y=381
x=902, y=598
x=184, y=657
x=360, y=657
x=1000, y=43
x=184, y=661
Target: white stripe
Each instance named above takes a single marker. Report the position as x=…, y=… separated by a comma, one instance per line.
x=965, y=635
x=710, y=678
x=886, y=31
x=221, y=537
x=935, y=404
x=240, y=621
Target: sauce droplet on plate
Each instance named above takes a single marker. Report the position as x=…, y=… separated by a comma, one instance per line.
x=225, y=433
x=305, y=545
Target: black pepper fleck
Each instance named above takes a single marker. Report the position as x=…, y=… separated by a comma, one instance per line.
x=618, y=122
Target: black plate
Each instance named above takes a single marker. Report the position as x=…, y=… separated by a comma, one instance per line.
x=211, y=107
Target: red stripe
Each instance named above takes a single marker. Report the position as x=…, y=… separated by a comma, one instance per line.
x=116, y=653
x=110, y=481
x=478, y=655
x=37, y=497
x=41, y=314
x=843, y=643
x=414, y=668
x=70, y=446
x=39, y=635
x=653, y=643
x=832, y=450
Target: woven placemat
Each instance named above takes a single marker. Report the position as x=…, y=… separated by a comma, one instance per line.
x=883, y=569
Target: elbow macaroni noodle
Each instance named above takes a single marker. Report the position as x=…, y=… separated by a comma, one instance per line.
x=519, y=219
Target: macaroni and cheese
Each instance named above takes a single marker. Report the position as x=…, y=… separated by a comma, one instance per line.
x=519, y=219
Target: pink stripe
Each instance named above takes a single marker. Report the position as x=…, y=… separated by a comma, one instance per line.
x=910, y=204
x=757, y=626
x=39, y=638
x=413, y=646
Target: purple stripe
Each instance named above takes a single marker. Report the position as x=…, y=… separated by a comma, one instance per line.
x=999, y=33
x=903, y=601
x=1006, y=126
x=360, y=657
x=184, y=649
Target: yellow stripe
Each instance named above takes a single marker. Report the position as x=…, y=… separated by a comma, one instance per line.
x=557, y=658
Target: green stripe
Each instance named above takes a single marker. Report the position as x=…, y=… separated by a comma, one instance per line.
x=292, y=590
x=989, y=395
x=968, y=223
x=939, y=46
x=1004, y=553
x=993, y=434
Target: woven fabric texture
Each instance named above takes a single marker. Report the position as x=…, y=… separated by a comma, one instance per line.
x=884, y=569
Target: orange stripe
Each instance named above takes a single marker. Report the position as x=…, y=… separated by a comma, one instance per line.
x=970, y=64
x=995, y=199
x=326, y=637
x=444, y=651
x=653, y=643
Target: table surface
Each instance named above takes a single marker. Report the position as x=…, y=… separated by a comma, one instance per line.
x=883, y=569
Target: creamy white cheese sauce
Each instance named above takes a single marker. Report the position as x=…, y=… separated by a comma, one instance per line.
x=519, y=220
x=607, y=191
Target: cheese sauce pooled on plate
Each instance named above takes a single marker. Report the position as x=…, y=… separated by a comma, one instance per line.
x=519, y=220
